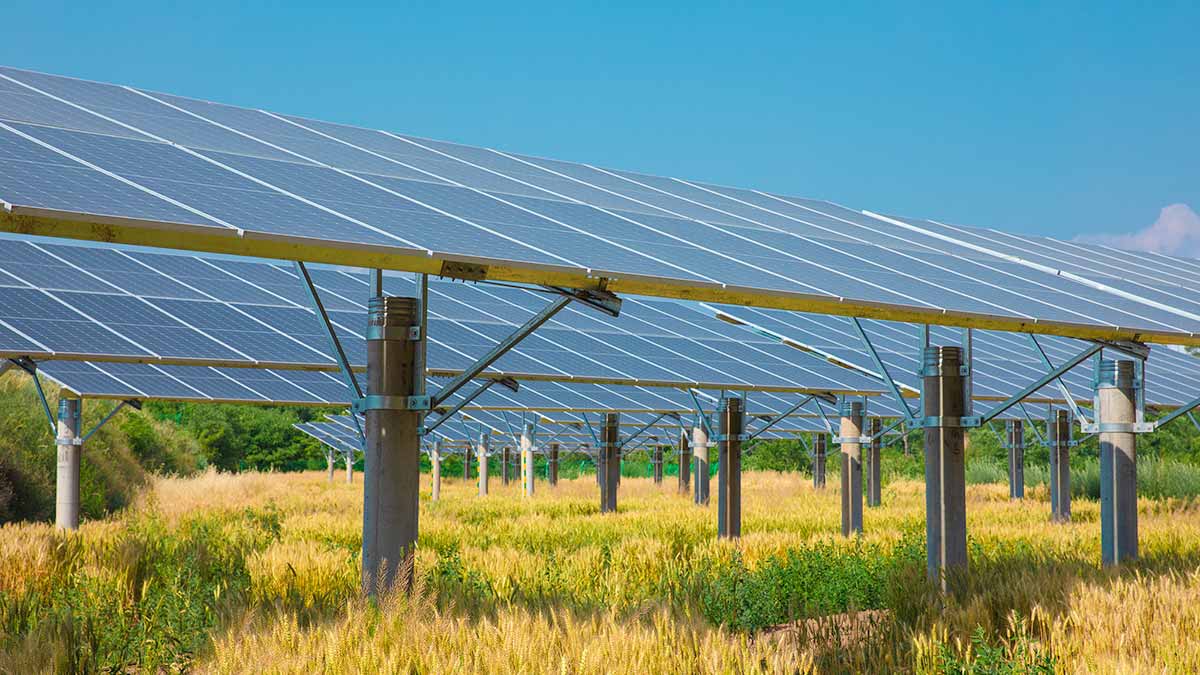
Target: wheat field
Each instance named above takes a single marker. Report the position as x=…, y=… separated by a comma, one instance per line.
x=259, y=573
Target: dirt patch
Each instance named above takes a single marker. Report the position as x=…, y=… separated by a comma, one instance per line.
x=821, y=633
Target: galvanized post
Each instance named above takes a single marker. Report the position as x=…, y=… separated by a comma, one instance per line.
x=729, y=469
x=349, y=467
x=1118, y=462
x=685, y=463
x=820, y=442
x=527, y=472
x=1016, y=459
x=700, y=454
x=658, y=464
x=874, y=487
x=945, y=470
x=435, y=470
x=610, y=435
x=330, y=463
x=481, y=456
x=505, y=460
x=391, y=489
x=852, y=489
x=1060, y=467
x=552, y=468
x=70, y=445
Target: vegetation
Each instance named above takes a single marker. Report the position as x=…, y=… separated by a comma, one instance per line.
x=230, y=573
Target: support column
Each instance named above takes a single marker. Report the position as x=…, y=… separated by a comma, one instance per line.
x=527, y=473
x=685, y=463
x=349, y=467
x=610, y=465
x=70, y=446
x=658, y=464
x=330, y=464
x=467, y=462
x=874, y=484
x=435, y=461
x=1016, y=459
x=945, y=470
x=552, y=468
x=729, y=469
x=505, y=461
x=852, y=489
x=1118, y=463
x=1060, y=467
x=700, y=454
x=481, y=456
x=392, y=483
x=820, y=443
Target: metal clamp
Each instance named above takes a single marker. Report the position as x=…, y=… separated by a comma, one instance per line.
x=731, y=437
x=409, y=333
x=381, y=402
x=60, y=440
x=862, y=440
x=1118, y=427
x=964, y=422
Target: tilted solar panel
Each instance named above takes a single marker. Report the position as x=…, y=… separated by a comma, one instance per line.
x=90, y=160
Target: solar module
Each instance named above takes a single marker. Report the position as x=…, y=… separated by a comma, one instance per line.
x=212, y=311
x=91, y=160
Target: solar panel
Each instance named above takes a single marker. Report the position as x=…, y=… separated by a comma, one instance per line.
x=245, y=313
x=170, y=171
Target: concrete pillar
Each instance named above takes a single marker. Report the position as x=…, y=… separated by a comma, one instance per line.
x=874, y=478
x=70, y=446
x=349, y=467
x=527, y=472
x=435, y=461
x=1118, y=463
x=1060, y=467
x=945, y=470
x=852, y=488
x=700, y=455
x=610, y=464
x=1016, y=459
x=481, y=456
x=505, y=461
x=820, y=443
x=685, y=463
x=658, y=464
x=729, y=469
x=392, y=482
x=330, y=464
x=552, y=467
x=467, y=462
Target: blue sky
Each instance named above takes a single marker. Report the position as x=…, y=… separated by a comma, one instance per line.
x=1066, y=120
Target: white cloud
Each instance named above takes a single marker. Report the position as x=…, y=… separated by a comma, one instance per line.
x=1176, y=232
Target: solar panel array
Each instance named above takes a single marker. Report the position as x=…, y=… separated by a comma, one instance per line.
x=60, y=301
x=1004, y=363
x=170, y=171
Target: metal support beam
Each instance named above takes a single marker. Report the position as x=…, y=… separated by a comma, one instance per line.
x=511, y=384
x=435, y=470
x=1185, y=409
x=820, y=446
x=685, y=462
x=1039, y=383
x=874, y=450
x=330, y=464
x=527, y=472
x=700, y=454
x=657, y=460
x=505, y=463
x=729, y=468
x=349, y=468
x=1016, y=459
x=624, y=442
x=335, y=344
x=30, y=367
x=552, y=466
x=851, y=477
x=70, y=449
x=481, y=456
x=1062, y=386
x=780, y=417
x=136, y=405
x=945, y=469
x=392, y=483
x=609, y=466
x=1060, y=467
x=502, y=348
x=883, y=371
x=1118, y=462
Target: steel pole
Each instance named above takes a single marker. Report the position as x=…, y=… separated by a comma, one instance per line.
x=945, y=470
x=700, y=454
x=1118, y=463
x=874, y=486
x=852, y=489
x=1060, y=467
x=729, y=469
x=66, y=494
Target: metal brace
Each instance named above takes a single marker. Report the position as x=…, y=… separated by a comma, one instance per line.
x=732, y=437
x=381, y=402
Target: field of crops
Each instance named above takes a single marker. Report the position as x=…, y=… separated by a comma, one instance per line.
x=259, y=572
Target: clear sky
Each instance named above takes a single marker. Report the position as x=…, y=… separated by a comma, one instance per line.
x=1074, y=119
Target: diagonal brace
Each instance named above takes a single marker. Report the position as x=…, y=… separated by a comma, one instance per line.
x=780, y=417
x=883, y=371
x=1062, y=387
x=335, y=345
x=1040, y=382
x=136, y=405
x=1185, y=409
x=640, y=431
x=30, y=366
x=487, y=384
